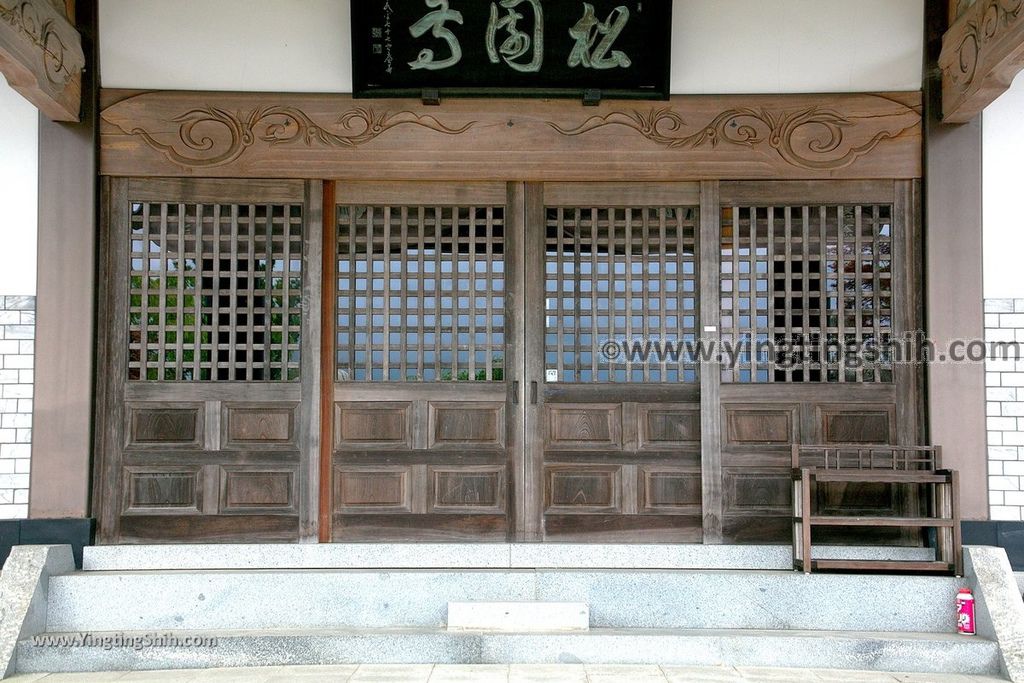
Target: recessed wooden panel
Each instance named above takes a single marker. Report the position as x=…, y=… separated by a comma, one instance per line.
x=162, y=490
x=583, y=489
x=857, y=424
x=467, y=424
x=856, y=498
x=260, y=490
x=756, y=426
x=584, y=427
x=248, y=425
x=668, y=425
x=669, y=491
x=372, y=490
x=369, y=425
x=750, y=491
x=164, y=424
x=469, y=490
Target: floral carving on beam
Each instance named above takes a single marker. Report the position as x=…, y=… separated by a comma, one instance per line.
x=303, y=136
x=812, y=138
x=41, y=56
x=981, y=53
x=199, y=146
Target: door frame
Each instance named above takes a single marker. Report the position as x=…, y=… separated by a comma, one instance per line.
x=702, y=195
x=339, y=193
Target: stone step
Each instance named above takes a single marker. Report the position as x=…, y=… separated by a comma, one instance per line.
x=470, y=556
x=518, y=617
x=307, y=599
x=910, y=652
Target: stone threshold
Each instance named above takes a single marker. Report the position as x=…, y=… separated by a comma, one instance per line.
x=470, y=556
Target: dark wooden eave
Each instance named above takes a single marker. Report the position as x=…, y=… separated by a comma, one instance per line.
x=981, y=53
x=41, y=55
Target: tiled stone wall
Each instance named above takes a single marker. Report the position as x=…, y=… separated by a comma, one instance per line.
x=17, y=356
x=1004, y=382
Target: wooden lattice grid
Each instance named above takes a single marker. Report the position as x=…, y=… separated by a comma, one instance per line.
x=215, y=292
x=421, y=293
x=800, y=284
x=618, y=276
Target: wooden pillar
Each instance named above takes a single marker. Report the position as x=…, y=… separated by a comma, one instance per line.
x=953, y=281
x=65, y=299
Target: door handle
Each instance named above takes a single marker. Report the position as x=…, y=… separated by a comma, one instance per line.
x=515, y=392
x=533, y=393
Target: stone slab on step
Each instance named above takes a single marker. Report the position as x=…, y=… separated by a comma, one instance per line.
x=929, y=653
x=999, y=610
x=518, y=617
x=758, y=600
x=691, y=556
x=24, y=587
x=468, y=556
x=101, y=601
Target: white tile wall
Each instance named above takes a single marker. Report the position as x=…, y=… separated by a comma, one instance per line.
x=17, y=358
x=1004, y=322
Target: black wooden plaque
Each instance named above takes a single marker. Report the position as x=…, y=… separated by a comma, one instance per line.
x=538, y=48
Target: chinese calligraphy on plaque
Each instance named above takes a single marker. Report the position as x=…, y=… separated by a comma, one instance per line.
x=588, y=51
x=548, y=47
x=517, y=43
x=434, y=22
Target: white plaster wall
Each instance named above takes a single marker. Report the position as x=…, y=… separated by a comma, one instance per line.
x=792, y=46
x=721, y=46
x=19, y=153
x=1003, y=181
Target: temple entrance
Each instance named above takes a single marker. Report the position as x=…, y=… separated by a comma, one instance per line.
x=492, y=361
x=479, y=390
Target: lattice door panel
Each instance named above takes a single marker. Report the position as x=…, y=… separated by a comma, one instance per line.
x=424, y=426
x=215, y=291
x=621, y=275
x=208, y=431
x=615, y=433
x=421, y=293
x=807, y=292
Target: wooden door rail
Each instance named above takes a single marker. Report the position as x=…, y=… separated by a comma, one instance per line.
x=857, y=463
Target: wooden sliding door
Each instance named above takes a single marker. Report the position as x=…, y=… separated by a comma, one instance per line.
x=209, y=310
x=613, y=421
x=476, y=394
x=426, y=363
x=817, y=279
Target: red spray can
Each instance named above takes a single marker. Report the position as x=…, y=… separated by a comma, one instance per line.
x=965, y=612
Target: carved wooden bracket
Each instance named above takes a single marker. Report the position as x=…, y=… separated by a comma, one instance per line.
x=41, y=56
x=981, y=54
x=334, y=136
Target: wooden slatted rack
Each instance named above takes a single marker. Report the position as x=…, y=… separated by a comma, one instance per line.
x=918, y=466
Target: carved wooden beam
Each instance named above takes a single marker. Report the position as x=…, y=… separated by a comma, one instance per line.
x=981, y=54
x=334, y=136
x=958, y=7
x=41, y=55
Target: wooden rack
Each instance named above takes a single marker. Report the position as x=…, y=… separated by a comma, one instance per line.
x=899, y=465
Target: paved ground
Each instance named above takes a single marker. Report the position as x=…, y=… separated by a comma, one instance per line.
x=525, y=673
